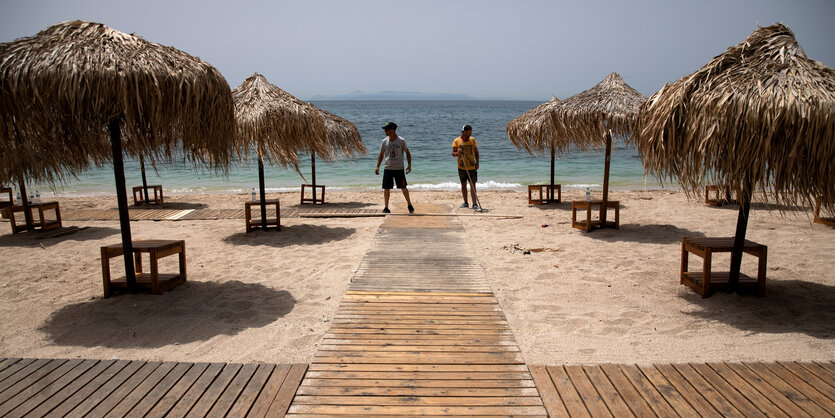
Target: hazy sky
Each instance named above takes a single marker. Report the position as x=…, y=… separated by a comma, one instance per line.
x=519, y=49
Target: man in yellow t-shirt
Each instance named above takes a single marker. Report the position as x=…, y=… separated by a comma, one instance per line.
x=465, y=148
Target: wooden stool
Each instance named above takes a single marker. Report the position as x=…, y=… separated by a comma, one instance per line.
x=320, y=196
x=718, y=201
x=154, y=281
x=41, y=224
x=543, y=191
x=704, y=282
x=256, y=223
x=6, y=203
x=139, y=195
x=819, y=219
x=590, y=224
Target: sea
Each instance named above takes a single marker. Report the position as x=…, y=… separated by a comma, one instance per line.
x=428, y=126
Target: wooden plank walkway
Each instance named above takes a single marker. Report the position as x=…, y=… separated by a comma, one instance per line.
x=137, y=214
x=60, y=387
x=419, y=332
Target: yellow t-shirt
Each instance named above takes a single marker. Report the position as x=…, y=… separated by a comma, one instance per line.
x=466, y=150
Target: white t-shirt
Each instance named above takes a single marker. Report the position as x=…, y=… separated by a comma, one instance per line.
x=393, y=152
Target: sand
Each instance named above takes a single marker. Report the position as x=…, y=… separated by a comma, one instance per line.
x=608, y=296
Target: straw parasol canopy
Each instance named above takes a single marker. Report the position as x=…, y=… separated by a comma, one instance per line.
x=534, y=131
x=79, y=92
x=583, y=120
x=279, y=124
x=760, y=116
x=342, y=136
x=61, y=88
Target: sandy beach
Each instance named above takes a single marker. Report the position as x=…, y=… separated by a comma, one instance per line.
x=608, y=296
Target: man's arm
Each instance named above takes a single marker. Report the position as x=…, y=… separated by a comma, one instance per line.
x=379, y=160
x=475, y=151
x=409, y=160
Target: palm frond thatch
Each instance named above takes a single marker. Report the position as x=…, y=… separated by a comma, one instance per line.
x=534, y=130
x=583, y=119
x=761, y=115
x=61, y=87
x=343, y=137
x=277, y=122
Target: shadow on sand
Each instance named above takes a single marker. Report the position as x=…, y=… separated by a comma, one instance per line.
x=339, y=205
x=301, y=234
x=33, y=239
x=194, y=311
x=789, y=306
x=644, y=234
x=174, y=205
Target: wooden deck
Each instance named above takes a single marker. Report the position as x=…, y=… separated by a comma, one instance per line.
x=60, y=387
x=419, y=332
x=160, y=214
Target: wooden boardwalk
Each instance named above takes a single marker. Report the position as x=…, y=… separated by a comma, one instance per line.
x=162, y=214
x=419, y=332
x=59, y=387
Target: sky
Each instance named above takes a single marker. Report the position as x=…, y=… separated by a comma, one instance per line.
x=515, y=49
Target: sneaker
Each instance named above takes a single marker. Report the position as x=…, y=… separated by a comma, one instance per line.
x=464, y=205
x=411, y=209
x=386, y=210
x=477, y=208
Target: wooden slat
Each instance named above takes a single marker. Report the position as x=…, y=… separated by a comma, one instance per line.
x=657, y=391
x=285, y=395
x=624, y=389
x=141, y=390
x=703, y=388
x=249, y=394
x=232, y=391
x=594, y=402
x=34, y=384
x=111, y=400
x=545, y=387
x=28, y=377
x=178, y=389
x=214, y=390
x=74, y=393
x=807, y=383
x=751, y=393
x=770, y=388
x=683, y=389
x=571, y=398
x=47, y=391
x=417, y=410
x=814, y=373
x=195, y=391
x=429, y=383
x=101, y=392
x=160, y=389
x=270, y=390
x=19, y=371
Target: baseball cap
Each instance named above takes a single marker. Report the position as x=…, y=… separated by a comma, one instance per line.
x=390, y=125
x=466, y=128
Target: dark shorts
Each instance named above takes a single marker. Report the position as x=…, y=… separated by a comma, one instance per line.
x=462, y=175
x=392, y=177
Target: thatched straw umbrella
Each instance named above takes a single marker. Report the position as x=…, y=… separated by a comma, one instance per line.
x=342, y=137
x=79, y=93
x=589, y=119
x=279, y=124
x=760, y=116
x=534, y=132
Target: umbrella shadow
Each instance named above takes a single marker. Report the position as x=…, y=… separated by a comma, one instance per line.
x=765, y=206
x=32, y=239
x=789, y=306
x=301, y=234
x=194, y=311
x=339, y=205
x=645, y=234
x=563, y=205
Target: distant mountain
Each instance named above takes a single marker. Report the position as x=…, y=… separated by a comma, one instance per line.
x=394, y=95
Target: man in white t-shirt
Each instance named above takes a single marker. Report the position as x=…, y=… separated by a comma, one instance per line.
x=392, y=149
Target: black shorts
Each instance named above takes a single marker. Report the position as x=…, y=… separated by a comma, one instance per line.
x=392, y=177
x=462, y=174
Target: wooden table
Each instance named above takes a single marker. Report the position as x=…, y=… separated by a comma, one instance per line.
x=155, y=281
x=543, y=189
x=705, y=281
x=718, y=200
x=822, y=220
x=255, y=223
x=42, y=223
x=320, y=194
x=139, y=195
x=587, y=206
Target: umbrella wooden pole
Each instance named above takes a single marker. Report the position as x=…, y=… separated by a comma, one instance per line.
x=313, y=167
x=603, y=208
x=24, y=201
x=122, y=198
x=262, y=191
x=551, y=194
x=144, y=180
x=739, y=238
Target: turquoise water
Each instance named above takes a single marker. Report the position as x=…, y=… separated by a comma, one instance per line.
x=428, y=127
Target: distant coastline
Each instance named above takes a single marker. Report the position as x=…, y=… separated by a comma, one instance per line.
x=402, y=95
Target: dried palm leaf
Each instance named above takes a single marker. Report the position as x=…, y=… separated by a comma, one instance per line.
x=534, y=130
